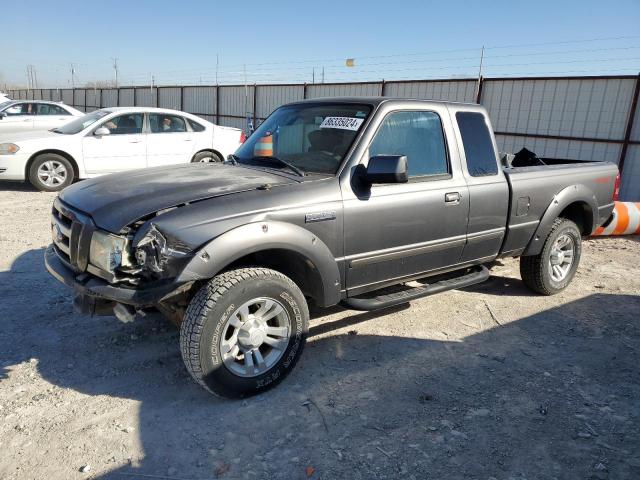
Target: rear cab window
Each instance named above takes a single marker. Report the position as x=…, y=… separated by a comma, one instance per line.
x=478, y=147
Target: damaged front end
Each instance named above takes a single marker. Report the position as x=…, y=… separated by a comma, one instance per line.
x=159, y=255
x=120, y=274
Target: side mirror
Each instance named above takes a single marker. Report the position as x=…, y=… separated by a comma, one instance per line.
x=99, y=132
x=2, y=115
x=387, y=169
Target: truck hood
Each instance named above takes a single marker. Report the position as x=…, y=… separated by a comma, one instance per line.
x=117, y=200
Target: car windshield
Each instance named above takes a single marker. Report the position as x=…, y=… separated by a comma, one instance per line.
x=311, y=138
x=81, y=123
x=5, y=104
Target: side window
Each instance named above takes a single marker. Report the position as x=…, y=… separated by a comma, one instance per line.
x=48, y=109
x=419, y=136
x=20, y=109
x=166, y=123
x=125, y=124
x=478, y=147
x=195, y=126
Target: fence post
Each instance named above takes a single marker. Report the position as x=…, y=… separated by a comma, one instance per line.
x=383, y=87
x=157, y=97
x=182, y=98
x=255, y=96
x=627, y=132
x=479, y=93
x=135, y=97
x=217, y=104
x=304, y=91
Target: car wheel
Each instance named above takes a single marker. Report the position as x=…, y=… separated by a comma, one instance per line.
x=244, y=331
x=206, y=157
x=50, y=172
x=553, y=268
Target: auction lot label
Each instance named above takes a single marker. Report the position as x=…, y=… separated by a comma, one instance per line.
x=345, y=123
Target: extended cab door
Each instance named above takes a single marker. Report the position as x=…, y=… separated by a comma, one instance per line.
x=488, y=187
x=399, y=230
x=125, y=148
x=169, y=140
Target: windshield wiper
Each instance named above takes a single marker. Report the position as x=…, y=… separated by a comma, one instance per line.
x=292, y=167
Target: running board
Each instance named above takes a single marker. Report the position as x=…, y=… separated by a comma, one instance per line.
x=478, y=275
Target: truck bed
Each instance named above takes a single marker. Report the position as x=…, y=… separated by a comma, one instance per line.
x=533, y=189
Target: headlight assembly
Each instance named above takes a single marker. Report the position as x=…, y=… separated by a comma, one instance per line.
x=108, y=251
x=8, y=148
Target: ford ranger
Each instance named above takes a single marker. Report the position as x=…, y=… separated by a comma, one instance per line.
x=330, y=201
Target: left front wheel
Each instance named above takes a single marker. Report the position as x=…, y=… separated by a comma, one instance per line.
x=50, y=172
x=244, y=331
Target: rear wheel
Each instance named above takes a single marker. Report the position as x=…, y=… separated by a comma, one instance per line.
x=206, y=157
x=553, y=268
x=244, y=331
x=50, y=172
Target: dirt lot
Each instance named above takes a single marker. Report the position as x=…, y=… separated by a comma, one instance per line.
x=489, y=382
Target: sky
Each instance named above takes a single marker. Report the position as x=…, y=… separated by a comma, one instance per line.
x=172, y=42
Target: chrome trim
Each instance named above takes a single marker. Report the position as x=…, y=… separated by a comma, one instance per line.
x=404, y=251
x=485, y=235
x=525, y=224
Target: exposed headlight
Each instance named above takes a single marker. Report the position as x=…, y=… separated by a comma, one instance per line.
x=8, y=148
x=154, y=253
x=107, y=251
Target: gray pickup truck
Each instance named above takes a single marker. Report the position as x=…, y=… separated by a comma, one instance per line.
x=329, y=201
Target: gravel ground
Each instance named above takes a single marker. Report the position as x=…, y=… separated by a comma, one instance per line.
x=491, y=382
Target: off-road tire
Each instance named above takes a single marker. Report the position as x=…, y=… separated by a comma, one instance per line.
x=535, y=269
x=200, y=156
x=50, y=157
x=207, y=314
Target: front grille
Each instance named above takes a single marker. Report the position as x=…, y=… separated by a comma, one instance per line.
x=71, y=231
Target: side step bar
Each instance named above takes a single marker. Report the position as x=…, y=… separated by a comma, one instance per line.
x=478, y=275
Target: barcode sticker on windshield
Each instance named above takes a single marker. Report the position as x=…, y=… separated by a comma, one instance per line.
x=345, y=123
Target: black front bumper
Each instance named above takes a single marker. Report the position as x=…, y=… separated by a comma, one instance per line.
x=87, y=285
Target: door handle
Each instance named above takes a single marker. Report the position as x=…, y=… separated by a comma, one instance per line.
x=452, y=197
x=135, y=140
x=26, y=120
x=188, y=139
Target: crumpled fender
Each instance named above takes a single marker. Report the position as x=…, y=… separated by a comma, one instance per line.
x=564, y=198
x=265, y=235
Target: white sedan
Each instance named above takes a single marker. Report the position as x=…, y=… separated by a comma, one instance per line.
x=113, y=140
x=26, y=115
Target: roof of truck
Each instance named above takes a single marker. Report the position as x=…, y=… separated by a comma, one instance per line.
x=378, y=100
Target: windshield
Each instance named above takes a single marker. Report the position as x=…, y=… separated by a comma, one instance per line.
x=4, y=104
x=81, y=123
x=313, y=138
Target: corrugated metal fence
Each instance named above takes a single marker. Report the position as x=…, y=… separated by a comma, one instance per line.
x=584, y=118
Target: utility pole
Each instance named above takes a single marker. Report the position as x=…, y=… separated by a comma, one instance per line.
x=73, y=79
x=322, y=74
x=313, y=75
x=115, y=68
x=216, y=69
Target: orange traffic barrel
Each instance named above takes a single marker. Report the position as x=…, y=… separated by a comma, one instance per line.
x=264, y=146
x=625, y=220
